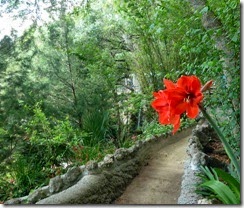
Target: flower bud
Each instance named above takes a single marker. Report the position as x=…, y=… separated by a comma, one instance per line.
x=207, y=86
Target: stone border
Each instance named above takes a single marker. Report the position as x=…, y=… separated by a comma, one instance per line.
x=98, y=182
x=196, y=157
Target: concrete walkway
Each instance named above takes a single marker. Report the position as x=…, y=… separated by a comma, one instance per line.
x=159, y=181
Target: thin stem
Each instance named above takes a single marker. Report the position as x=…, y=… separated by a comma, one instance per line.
x=225, y=143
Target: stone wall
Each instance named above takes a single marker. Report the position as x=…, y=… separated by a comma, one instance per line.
x=201, y=135
x=98, y=182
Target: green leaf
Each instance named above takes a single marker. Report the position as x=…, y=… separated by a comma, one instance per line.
x=208, y=173
x=235, y=37
x=204, y=10
x=232, y=182
x=222, y=191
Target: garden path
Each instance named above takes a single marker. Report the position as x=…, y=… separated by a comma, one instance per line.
x=159, y=182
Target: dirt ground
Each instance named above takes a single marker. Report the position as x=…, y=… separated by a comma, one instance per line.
x=159, y=181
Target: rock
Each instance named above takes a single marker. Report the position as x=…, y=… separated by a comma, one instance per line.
x=139, y=143
x=72, y=175
x=102, y=165
x=120, y=154
x=38, y=194
x=195, y=140
x=204, y=201
x=20, y=200
x=204, y=133
x=55, y=184
x=198, y=160
x=109, y=158
x=134, y=148
x=13, y=201
x=107, y=161
x=192, y=149
x=188, y=193
x=82, y=168
x=88, y=190
x=131, y=150
x=91, y=165
x=200, y=137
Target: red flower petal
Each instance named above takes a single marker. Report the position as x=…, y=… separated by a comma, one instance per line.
x=164, y=118
x=189, y=83
x=169, y=84
x=160, y=103
x=198, y=98
x=183, y=82
x=179, y=108
x=176, y=123
x=196, y=84
x=192, y=110
x=175, y=95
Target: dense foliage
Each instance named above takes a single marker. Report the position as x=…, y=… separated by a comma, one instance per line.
x=78, y=87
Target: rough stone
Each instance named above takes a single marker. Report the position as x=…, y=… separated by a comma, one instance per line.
x=135, y=148
x=70, y=177
x=188, y=186
x=198, y=160
x=204, y=133
x=195, y=140
x=82, y=168
x=102, y=165
x=131, y=151
x=204, y=201
x=192, y=149
x=200, y=136
x=139, y=143
x=13, y=201
x=120, y=154
x=91, y=165
x=38, y=194
x=109, y=158
x=55, y=184
x=88, y=190
x=107, y=161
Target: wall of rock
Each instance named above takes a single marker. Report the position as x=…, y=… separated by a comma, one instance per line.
x=97, y=182
x=201, y=135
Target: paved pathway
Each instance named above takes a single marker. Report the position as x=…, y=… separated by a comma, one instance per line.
x=159, y=181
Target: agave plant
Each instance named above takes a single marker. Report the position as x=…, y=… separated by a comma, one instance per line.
x=219, y=184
